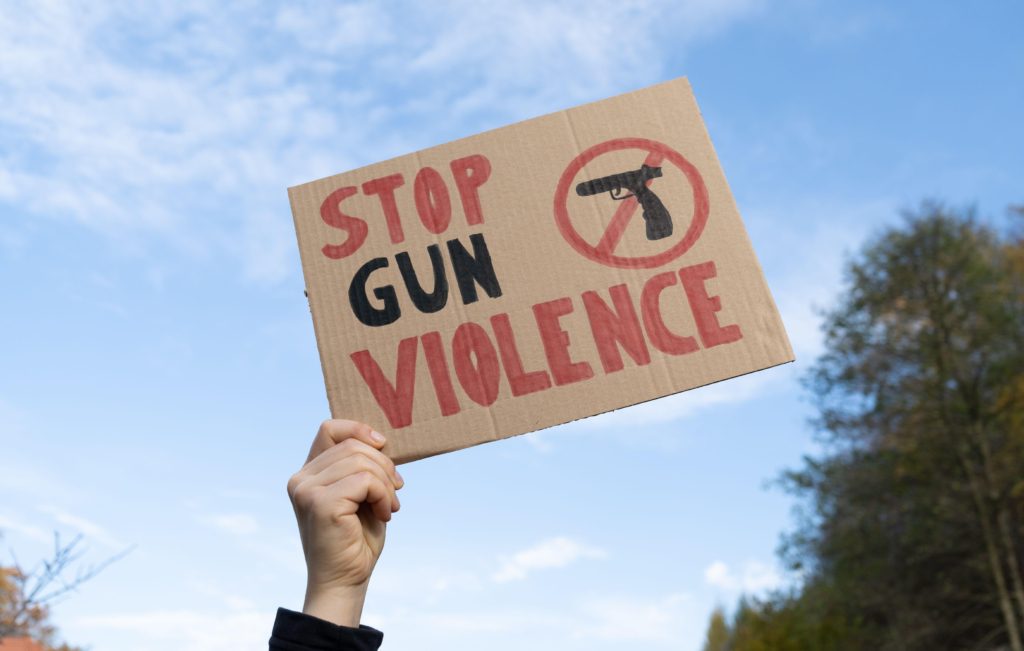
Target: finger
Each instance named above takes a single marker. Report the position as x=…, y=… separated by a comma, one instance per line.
x=352, y=465
x=362, y=487
x=336, y=430
x=351, y=447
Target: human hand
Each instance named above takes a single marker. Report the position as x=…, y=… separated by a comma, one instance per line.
x=343, y=496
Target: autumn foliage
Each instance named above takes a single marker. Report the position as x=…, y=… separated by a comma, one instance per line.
x=912, y=534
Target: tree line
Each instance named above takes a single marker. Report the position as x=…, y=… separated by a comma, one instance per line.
x=910, y=534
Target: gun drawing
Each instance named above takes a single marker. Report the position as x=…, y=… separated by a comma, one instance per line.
x=657, y=217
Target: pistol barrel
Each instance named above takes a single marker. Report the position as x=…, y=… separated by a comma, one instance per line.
x=615, y=182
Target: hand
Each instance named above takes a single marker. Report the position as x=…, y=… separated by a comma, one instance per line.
x=342, y=498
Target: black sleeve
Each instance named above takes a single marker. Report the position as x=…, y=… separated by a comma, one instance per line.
x=300, y=632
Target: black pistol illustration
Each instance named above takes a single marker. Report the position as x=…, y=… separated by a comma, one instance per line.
x=659, y=221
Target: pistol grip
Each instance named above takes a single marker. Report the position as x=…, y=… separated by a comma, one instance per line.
x=657, y=218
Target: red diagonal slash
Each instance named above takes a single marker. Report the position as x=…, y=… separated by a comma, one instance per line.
x=657, y=153
x=625, y=212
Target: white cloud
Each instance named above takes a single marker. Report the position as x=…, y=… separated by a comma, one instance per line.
x=232, y=601
x=181, y=123
x=538, y=441
x=396, y=579
x=187, y=629
x=686, y=404
x=455, y=581
x=553, y=553
x=506, y=621
x=670, y=618
x=669, y=409
x=30, y=531
x=600, y=621
x=718, y=575
x=755, y=577
x=239, y=524
x=91, y=530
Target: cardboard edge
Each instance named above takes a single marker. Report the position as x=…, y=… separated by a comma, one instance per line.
x=414, y=457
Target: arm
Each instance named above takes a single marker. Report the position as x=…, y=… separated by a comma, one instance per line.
x=343, y=497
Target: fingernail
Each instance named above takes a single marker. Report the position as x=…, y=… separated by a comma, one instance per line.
x=398, y=476
x=377, y=436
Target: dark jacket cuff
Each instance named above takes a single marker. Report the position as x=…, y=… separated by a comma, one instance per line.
x=300, y=632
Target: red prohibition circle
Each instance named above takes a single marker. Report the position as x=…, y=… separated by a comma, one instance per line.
x=700, y=204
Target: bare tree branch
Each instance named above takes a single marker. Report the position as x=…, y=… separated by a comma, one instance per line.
x=27, y=595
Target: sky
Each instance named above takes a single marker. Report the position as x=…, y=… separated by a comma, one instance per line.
x=159, y=377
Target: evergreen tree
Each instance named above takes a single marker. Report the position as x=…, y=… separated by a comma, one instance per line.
x=717, y=638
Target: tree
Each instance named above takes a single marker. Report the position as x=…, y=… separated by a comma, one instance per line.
x=797, y=621
x=913, y=533
x=717, y=638
x=918, y=504
x=27, y=595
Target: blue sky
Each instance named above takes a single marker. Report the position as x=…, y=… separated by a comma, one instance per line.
x=160, y=379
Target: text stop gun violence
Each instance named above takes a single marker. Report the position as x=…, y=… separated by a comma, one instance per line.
x=471, y=362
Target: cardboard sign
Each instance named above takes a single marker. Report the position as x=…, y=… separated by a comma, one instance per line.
x=546, y=271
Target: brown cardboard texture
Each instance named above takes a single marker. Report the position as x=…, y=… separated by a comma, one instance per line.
x=528, y=276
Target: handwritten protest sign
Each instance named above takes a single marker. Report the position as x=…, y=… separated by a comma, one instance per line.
x=546, y=271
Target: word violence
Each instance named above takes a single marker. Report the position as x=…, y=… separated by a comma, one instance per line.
x=481, y=356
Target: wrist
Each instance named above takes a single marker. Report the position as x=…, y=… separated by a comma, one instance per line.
x=341, y=605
